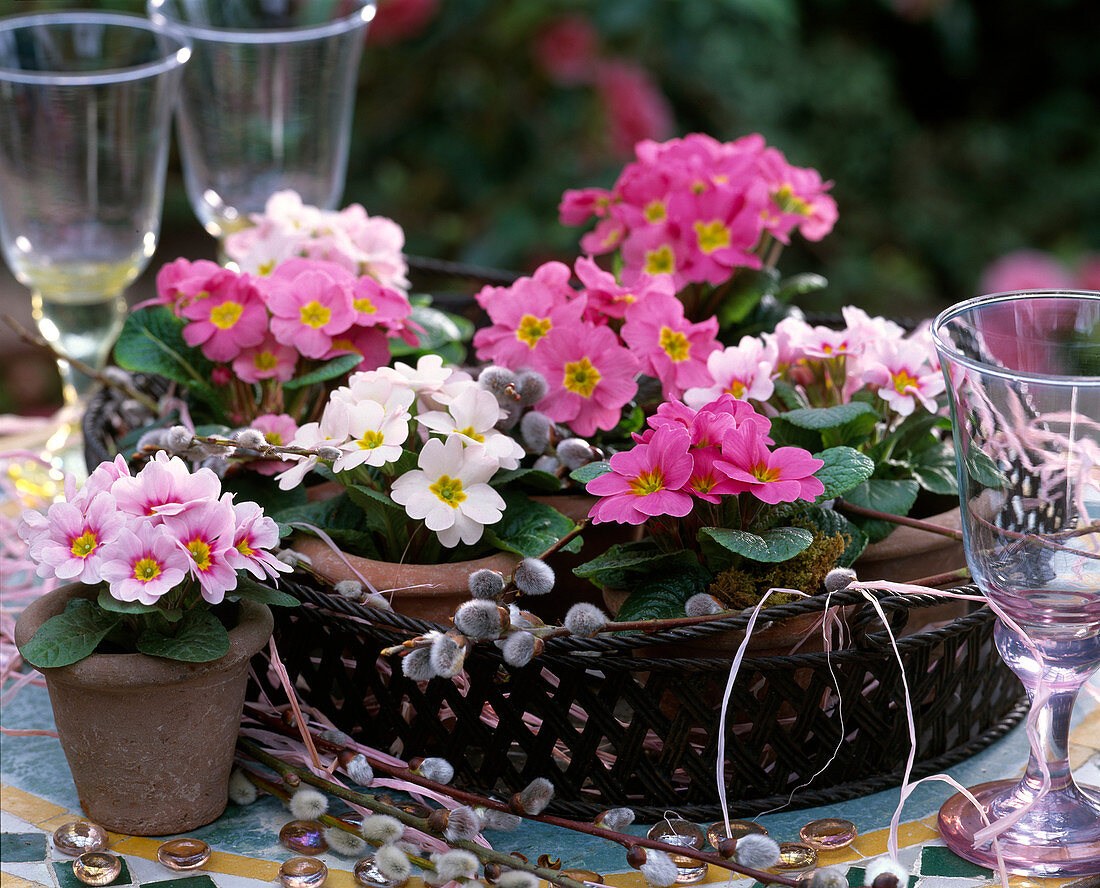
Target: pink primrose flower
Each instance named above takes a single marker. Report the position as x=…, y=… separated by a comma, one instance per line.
x=311, y=303
x=228, y=318
x=1088, y=272
x=707, y=481
x=144, y=563
x=376, y=305
x=720, y=228
x=781, y=475
x=636, y=108
x=1025, y=270
x=567, y=50
x=670, y=347
x=742, y=371
x=101, y=479
x=379, y=244
x=180, y=281
x=799, y=199
x=524, y=314
x=253, y=535
x=205, y=534
x=657, y=250
x=370, y=343
x=606, y=298
x=165, y=486
x=71, y=545
x=589, y=374
x=278, y=429
x=868, y=329
x=900, y=372
x=605, y=237
x=645, y=481
x=579, y=205
x=269, y=359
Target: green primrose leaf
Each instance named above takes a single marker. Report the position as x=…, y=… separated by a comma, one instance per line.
x=623, y=565
x=529, y=528
x=110, y=603
x=663, y=595
x=844, y=469
x=818, y=418
x=535, y=479
x=895, y=497
x=590, y=471
x=772, y=545
x=199, y=638
x=329, y=370
x=935, y=471
x=152, y=341
x=70, y=636
x=258, y=592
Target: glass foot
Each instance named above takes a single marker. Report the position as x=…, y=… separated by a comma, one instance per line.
x=1060, y=836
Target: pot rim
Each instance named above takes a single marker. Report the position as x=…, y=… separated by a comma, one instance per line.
x=253, y=629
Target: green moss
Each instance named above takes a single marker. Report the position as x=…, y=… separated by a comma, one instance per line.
x=740, y=588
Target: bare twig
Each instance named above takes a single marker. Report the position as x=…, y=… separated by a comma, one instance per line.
x=844, y=506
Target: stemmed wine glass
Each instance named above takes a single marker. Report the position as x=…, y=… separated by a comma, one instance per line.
x=85, y=104
x=1023, y=375
x=267, y=100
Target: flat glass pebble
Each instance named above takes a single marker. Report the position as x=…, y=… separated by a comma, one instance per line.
x=738, y=828
x=97, y=868
x=303, y=872
x=828, y=834
x=582, y=875
x=688, y=835
x=183, y=854
x=79, y=837
x=304, y=836
x=794, y=856
x=366, y=873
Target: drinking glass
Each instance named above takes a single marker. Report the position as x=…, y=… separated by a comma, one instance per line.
x=85, y=104
x=267, y=100
x=1023, y=376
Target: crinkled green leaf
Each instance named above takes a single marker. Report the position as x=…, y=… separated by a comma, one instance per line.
x=340, y=366
x=894, y=497
x=590, y=471
x=530, y=478
x=828, y=522
x=199, y=637
x=791, y=397
x=261, y=594
x=800, y=285
x=936, y=471
x=151, y=341
x=664, y=594
x=774, y=544
x=818, y=418
x=624, y=564
x=529, y=528
x=844, y=469
x=70, y=636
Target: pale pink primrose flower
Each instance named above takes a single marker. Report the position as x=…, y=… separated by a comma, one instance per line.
x=278, y=429
x=590, y=377
x=331, y=430
x=308, y=309
x=450, y=493
x=254, y=535
x=205, y=533
x=862, y=326
x=71, y=545
x=102, y=477
x=799, y=199
x=165, y=486
x=144, y=563
x=900, y=373
x=670, y=347
x=260, y=251
x=376, y=435
x=228, y=318
x=744, y=371
x=472, y=416
x=605, y=237
x=779, y=476
x=645, y=481
x=825, y=344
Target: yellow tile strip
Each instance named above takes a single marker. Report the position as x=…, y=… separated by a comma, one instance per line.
x=30, y=808
x=7, y=880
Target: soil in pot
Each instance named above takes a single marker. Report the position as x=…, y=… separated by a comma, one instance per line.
x=149, y=741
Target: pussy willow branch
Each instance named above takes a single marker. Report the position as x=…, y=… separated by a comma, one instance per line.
x=272, y=788
x=486, y=855
x=843, y=506
x=550, y=550
x=589, y=829
x=87, y=369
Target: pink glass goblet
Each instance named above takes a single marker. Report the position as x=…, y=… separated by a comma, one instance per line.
x=1023, y=377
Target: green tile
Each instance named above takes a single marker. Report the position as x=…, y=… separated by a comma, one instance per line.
x=22, y=847
x=189, y=882
x=938, y=861
x=66, y=879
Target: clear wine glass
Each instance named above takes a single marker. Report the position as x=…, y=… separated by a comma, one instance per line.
x=86, y=101
x=267, y=100
x=1023, y=374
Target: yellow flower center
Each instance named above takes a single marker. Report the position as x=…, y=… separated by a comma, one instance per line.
x=660, y=261
x=264, y=360
x=369, y=440
x=791, y=203
x=275, y=438
x=227, y=314
x=648, y=482
x=364, y=305
x=712, y=236
x=266, y=268
x=762, y=473
x=200, y=551
x=655, y=211
x=675, y=344
x=470, y=433
x=84, y=545
x=736, y=388
x=703, y=483
x=532, y=329
x=315, y=315
x=449, y=490
x=581, y=377
x=146, y=569
x=903, y=381
x=242, y=544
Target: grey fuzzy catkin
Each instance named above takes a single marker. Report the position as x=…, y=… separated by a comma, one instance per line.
x=575, y=452
x=497, y=380
x=329, y=453
x=307, y=804
x=486, y=584
x=885, y=865
x=499, y=820
x=436, y=769
x=250, y=439
x=352, y=589
x=756, y=851
x=178, y=439
x=518, y=648
x=533, y=576
x=334, y=735
x=512, y=412
x=584, y=619
x=382, y=828
x=535, y=429
x=478, y=619
x=393, y=863
x=702, y=604
x=615, y=819
x=829, y=877
x=154, y=439
x=447, y=656
x=455, y=865
x=463, y=824
x=417, y=665
x=534, y=797
x=242, y=791
x=531, y=387
x=546, y=464
x=343, y=842
x=839, y=578
x=517, y=879
x=360, y=771
x=659, y=869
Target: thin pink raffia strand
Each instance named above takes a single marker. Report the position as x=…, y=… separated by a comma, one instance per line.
x=327, y=540
x=292, y=696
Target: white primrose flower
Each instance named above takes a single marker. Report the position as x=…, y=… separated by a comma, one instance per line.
x=376, y=435
x=450, y=491
x=472, y=415
x=331, y=430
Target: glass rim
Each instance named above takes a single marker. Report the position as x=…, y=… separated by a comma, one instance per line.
x=948, y=350
x=360, y=17
x=166, y=62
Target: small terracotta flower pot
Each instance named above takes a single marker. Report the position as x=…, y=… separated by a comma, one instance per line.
x=149, y=741
x=426, y=591
x=910, y=554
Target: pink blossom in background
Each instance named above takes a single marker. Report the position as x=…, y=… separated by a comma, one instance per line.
x=1088, y=272
x=589, y=374
x=567, y=50
x=270, y=359
x=398, y=20
x=645, y=481
x=782, y=475
x=635, y=106
x=228, y=318
x=1025, y=270
x=669, y=347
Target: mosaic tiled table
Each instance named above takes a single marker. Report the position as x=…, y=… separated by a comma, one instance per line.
x=37, y=796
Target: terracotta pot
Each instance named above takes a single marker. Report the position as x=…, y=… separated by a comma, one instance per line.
x=427, y=591
x=910, y=554
x=149, y=741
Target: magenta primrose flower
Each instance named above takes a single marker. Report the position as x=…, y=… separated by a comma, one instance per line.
x=772, y=476
x=309, y=308
x=145, y=563
x=646, y=481
x=671, y=348
x=227, y=317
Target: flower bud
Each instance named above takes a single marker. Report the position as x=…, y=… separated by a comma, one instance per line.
x=585, y=620
x=486, y=584
x=533, y=576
